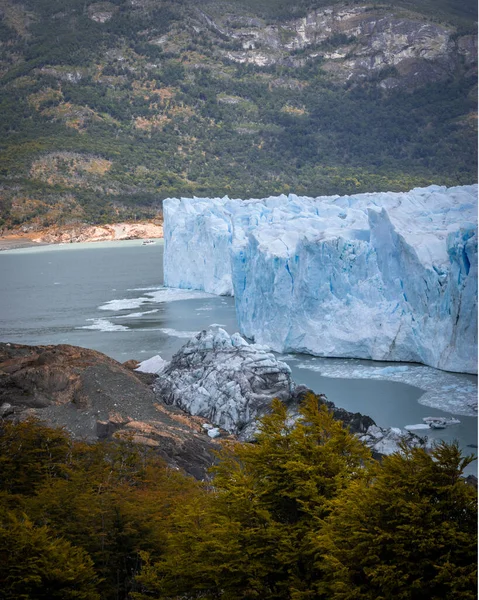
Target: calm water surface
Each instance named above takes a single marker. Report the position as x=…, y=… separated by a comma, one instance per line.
x=108, y=296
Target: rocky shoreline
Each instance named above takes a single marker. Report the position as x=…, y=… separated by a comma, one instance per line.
x=95, y=398
x=80, y=233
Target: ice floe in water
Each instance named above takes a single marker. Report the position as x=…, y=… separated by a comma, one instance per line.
x=136, y=315
x=176, y=333
x=442, y=390
x=155, y=364
x=174, y=294
x=155, y=295
x=103, y=325
x=145, y=289
x=123, y=304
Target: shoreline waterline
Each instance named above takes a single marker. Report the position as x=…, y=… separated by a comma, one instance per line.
x=108, y=296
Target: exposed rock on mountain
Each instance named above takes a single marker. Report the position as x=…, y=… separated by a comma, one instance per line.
x=354, y=43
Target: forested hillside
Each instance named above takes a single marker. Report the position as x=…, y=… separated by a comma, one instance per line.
x=109, y=107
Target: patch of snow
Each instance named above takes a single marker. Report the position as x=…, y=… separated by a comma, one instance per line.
x=214, y=432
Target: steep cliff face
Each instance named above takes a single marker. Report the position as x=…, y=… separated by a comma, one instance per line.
x=352, y=43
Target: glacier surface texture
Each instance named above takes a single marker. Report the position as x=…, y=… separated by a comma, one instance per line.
x=382, y=276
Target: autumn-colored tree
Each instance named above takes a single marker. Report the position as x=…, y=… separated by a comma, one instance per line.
x=35, y=564
x=108, y=501
x=31, y=453
x=114, y=504
x=249, y=539
x=408, y=532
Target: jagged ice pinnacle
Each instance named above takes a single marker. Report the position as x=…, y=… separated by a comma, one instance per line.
x=382, y=276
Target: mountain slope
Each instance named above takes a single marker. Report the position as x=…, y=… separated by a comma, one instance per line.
x=109, y=107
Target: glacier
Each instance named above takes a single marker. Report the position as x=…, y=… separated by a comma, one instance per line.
x=384, y=276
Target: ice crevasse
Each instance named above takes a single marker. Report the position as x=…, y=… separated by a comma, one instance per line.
x=382, y=276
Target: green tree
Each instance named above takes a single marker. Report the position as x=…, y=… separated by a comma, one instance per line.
x=407, y=532
x=30, y=453
x=249, y=539
x=37, y=565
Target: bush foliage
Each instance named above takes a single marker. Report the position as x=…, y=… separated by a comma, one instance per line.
x=302, y=513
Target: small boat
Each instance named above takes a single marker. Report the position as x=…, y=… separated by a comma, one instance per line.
x=148, y=242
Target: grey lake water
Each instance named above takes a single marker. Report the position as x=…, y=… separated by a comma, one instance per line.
x=109, y=296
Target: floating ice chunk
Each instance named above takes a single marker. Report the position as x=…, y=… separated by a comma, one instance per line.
x=176, y=333
x=103, y=325
x=445, y=391
x=137, y=315
x=155, y=364
x=416, y=426
x=391, y=370
x=125, y=303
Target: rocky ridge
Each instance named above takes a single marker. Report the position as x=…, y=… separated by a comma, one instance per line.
x=353, y=43
x=94, y=397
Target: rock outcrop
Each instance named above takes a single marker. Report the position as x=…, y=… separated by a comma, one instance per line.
x=223, y=384
x=225, y=380
x=354, y=43
x=94, y=397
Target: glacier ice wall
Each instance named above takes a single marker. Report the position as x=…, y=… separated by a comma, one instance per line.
x=384, y=276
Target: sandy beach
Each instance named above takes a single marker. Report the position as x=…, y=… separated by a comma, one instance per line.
x=81, y=233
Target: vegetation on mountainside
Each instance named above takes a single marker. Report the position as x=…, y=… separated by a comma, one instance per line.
x=302, y=513
x=178, y=118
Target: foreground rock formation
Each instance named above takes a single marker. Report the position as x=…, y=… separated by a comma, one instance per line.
x=94, y=397
x=386, y=276
x=218, y=380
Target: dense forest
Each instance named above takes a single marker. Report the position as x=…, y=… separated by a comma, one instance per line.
x=302, y=513
x=109, y=107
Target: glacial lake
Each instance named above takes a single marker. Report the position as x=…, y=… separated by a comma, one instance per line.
x=108, y=296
